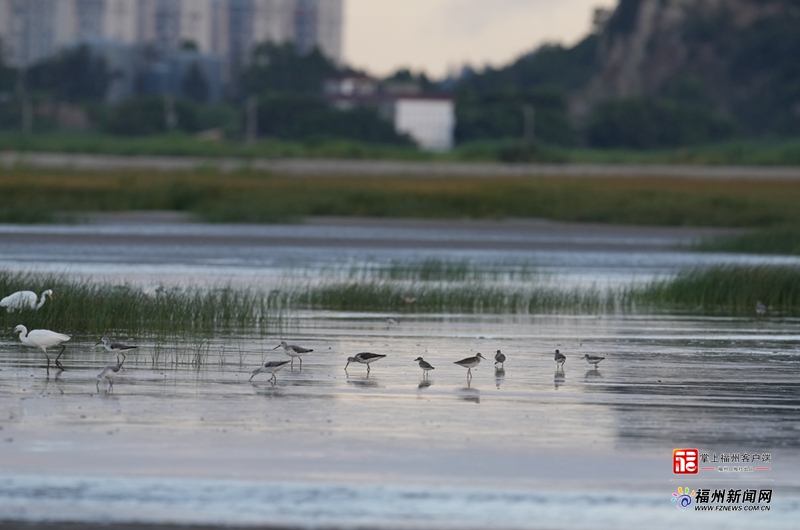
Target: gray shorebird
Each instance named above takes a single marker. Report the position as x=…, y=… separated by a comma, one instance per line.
x=559, y=358
x=425, y=365
x=469, y=363
x=364, y=358
x=114, y=347
x=761, y=309
x=43, y=339
x=499, y=358
x=110, y=371
x=293, y=351
x=593, y=359
x=269, y=367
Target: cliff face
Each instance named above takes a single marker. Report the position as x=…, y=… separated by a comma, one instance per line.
x=740, y=56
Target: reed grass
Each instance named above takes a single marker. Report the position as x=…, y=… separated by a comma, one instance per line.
x=90, y=308
x=37, y=195
x=730, y=289
x=783, y=240
x=97, y=309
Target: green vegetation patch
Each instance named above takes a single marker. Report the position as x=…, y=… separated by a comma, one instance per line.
x=774, y=240
x=261, y=197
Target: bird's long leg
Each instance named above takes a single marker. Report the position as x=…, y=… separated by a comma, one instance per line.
x=367, y=368
x=301, y=362
x=292, y=364
x=48, y=363
x=58, y=363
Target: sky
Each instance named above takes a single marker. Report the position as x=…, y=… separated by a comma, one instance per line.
x=441, y=36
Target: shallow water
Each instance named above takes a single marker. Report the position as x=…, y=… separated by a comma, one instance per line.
x=527, y=447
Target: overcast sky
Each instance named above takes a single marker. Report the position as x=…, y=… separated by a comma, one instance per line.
x=437, y=36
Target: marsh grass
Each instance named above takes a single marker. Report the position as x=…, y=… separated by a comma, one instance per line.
x=192, y=316
x=91, y=308
x=783, y=239
x=724, y=289
x=42, y=195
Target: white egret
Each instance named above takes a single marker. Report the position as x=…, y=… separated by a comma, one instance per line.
x=24, y=300
x=42, y=338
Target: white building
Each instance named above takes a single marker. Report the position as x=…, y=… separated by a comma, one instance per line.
x=429, y=120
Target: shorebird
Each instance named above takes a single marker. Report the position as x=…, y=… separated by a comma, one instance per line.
x=409, y=299
x=499, y=358
x=42, y=338
x=469, y=363
x=270, y=367
x=761, y=309
x=115, y=347
x=560, y=359
x=593, y=359
x=110, y=371
x=364, y=358
x=293, y=351
x=24, y=300
x=425, y=365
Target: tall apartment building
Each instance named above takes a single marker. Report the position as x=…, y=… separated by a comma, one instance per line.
x=33, y=29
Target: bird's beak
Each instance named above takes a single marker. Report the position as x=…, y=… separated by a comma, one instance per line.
x=98, y=344
x=348, y=364
x=276, y=347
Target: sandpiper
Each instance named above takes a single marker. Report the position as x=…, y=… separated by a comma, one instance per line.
x=425, y=365
x=110, y=371
x=761, y=309
x=270, y=367
x=469, y=363
x=593, y=359
x=293, y=351
x=114, y=347
x=560, y=359
x=364, y=358
x=499, y=358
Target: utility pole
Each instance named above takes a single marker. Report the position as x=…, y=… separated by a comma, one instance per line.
x=170, y=116
x=251, y=120
x=27, y=111
x=529, y=124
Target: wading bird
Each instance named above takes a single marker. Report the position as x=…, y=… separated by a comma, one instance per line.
x=761, y=309
x=593, y=359
x=114, y=347
x=499, y=358
x=469, y=363
x=425, y=365
x=269, y=367
x=364, y=358
x=24, y=300
x=42, y=338
x=110, y=371
x=560, y=359
x=293, y=351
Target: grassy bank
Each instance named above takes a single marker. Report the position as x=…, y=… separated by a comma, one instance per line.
x=41, y=195
x=85, y=308
x=728, y=153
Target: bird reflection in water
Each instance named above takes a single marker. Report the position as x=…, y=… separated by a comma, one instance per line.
x=472, y=395
x=499, y=376
x=559, y=378
x=593, y=374
x=424, y=383
x=364, y=382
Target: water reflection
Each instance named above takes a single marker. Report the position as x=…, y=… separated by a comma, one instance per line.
x=559, y=378
x=424, y=383
x=366, y=382
x=472, y=395
x=499, y=375
x=593, y=375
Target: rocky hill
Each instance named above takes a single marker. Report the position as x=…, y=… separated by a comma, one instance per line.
x=741, y=57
